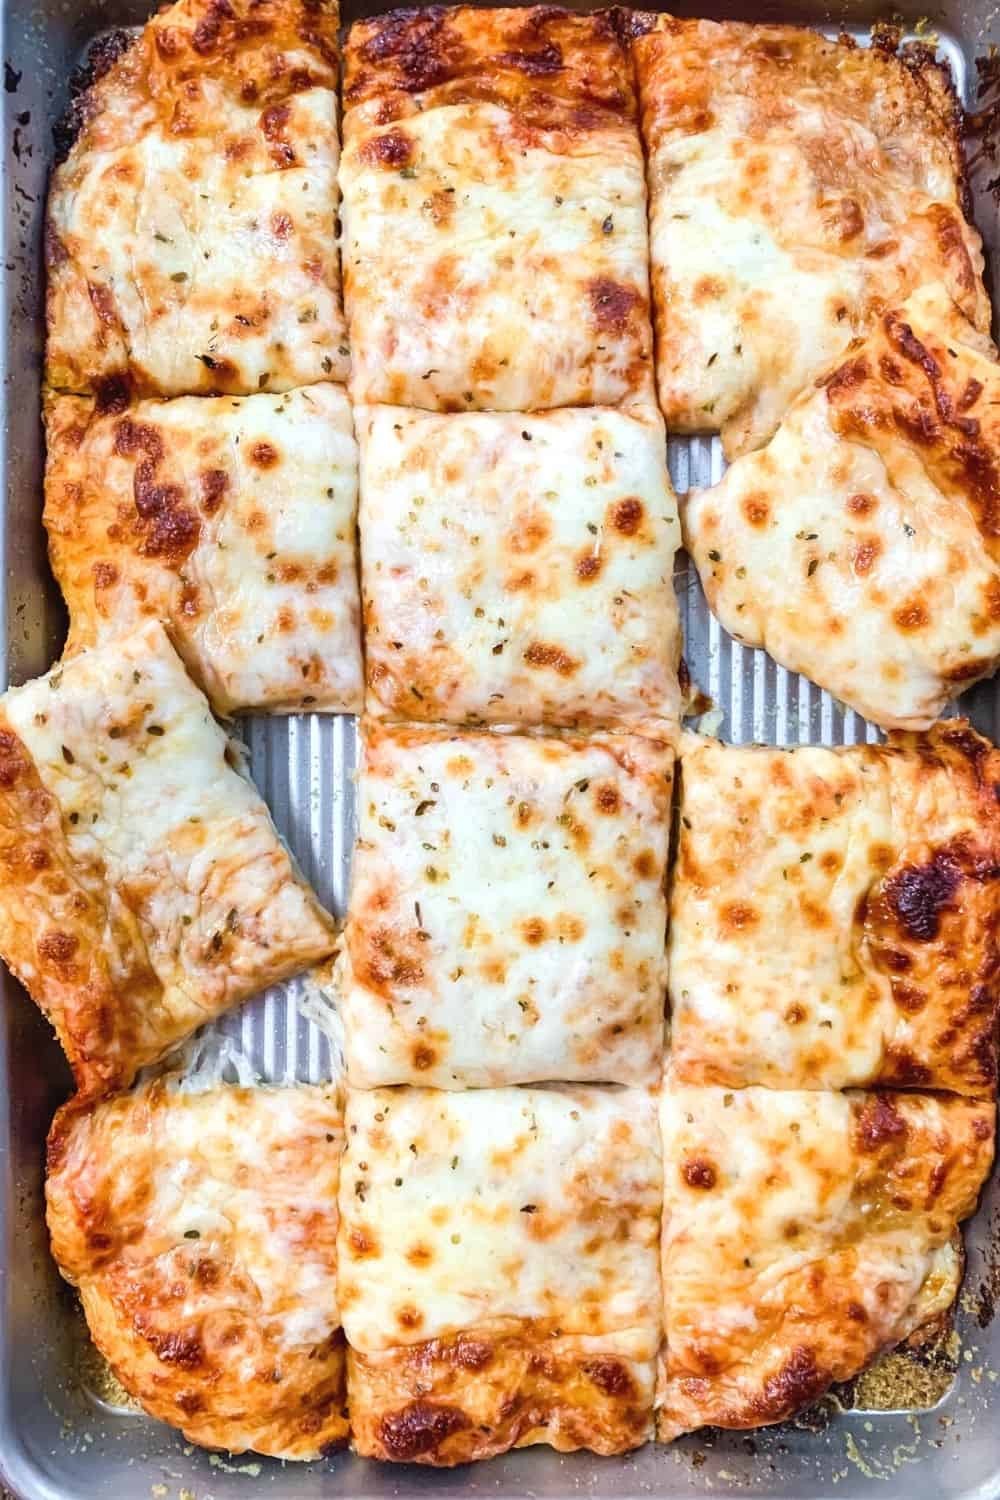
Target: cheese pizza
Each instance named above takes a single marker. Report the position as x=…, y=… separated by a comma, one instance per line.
x=143, y=888
x=507, y=910
x=835, y=914
x=498, y=1270
x=804, y=1233
x=862, y=545
x=519, y=569
x=231, y=519
x=499, y=151
x=798, y=187
x=190, y=239
x=201, y=1231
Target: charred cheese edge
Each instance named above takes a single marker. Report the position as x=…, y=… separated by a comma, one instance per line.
x=498, y=1270
x=519, y=568
x=144, y=888
x=861, y=547
x=797, y=187
x=835, y=913
x=507, y=910
x=502, y=148
x=201, y=1232
x=804, y=1232
x=190, y=237
x=232, y=520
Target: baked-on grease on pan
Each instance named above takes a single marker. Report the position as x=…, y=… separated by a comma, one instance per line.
x=797, y=187
x=507, y=910
x=498, y=1270
x=803, y=1233
x=144, y=887
x=200, y=1228
x=861, y=547
x=190, y=238
x=495, y=246
x=835, y=914
x=232, y=519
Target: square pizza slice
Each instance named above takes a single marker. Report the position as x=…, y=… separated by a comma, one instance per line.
x=835, y=914
x=507, y=910
x=861, y=547
x=797, y=186
x=519, y=569
x=200, y=1228
x=498, y=1270
x=231, y=519
x=143, y=887
x=190, y=239
x=804, y=1233
x=500, y=150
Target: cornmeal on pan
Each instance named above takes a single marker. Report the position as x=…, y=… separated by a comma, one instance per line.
x=495, y=246
x=861, y=547
x=835, y=914
x=144, y=888
x=507, y=910
x=200, y=1228
x=190, y=239
x=797, y=186
x=803, y=1233
x=232, y=519
x=498, y=1270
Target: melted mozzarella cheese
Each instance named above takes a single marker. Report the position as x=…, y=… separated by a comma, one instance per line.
x=803, y=1232
x=859, y=546
x=507, y=911
x=519, y=568
x=182, y=899
x=231, y=520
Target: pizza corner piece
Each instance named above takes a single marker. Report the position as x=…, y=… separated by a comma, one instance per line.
x=501, y=146
x=190, y=236
x=145, y=887
x=804, y=1233
x=798, y=186
x=498, y=1270
x=518, y=568
x=232, y=519
x=199, y=1226
x=507, y=910
x=834, y=915
x=860, y=547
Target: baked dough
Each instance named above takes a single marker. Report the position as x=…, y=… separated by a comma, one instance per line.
x=231, y=519
x=507, y=910
x=201, y=1231
x=802, y=1234
x=835, y=914
x=495, y=244
x=519, y=569
x=498, y=1270
x=797, y=187
x=143, y=888
x=862, y=545
x=190, y=240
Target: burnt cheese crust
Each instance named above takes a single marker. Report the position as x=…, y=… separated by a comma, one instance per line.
x=144, y=888
x=803, y=1233
x=507, y=910
x=498, y=1282
x=835, y=914
x=502, y=148
x=190, y=239
x=231, y=519
x=861, y=547
x=201, y=1231
x=798, y=187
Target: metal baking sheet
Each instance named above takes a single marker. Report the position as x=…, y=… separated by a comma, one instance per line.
x=59, y=1439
